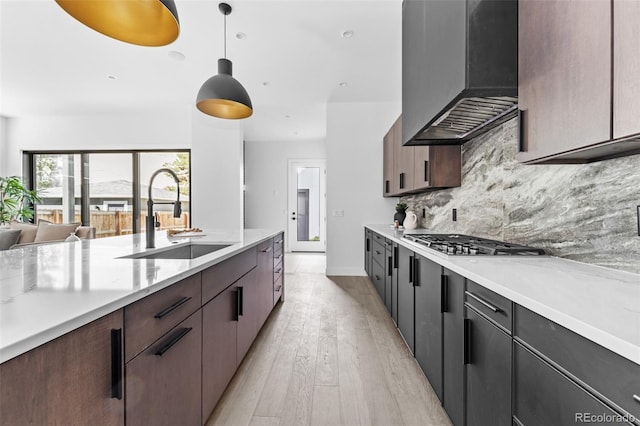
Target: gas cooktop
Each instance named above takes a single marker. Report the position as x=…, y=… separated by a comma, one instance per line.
x=465, y=245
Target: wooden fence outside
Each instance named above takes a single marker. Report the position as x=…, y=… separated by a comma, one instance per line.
x=109, y=224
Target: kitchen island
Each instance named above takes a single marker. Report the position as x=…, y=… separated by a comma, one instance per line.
x=83, y=323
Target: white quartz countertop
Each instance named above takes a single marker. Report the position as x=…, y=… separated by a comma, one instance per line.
x=48, y=290
x=598, y=303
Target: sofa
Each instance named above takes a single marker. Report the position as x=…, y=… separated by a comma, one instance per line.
x=20, y=234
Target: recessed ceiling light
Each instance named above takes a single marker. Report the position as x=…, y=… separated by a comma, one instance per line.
x=111, y=77
x=295, y=133
x=343, y=84
x=347, y=34
x=287, y=116
x=265, y=83
x=241, y=36
x=176, y=56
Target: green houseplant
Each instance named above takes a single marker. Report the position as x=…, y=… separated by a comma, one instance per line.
x=16, y=200
x=401, y=214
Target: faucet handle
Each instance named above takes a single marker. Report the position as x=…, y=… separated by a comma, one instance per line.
x=156, y=220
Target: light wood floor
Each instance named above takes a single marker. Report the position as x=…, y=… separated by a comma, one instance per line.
x=329, y=355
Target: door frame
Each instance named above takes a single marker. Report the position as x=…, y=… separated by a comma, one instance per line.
x=292, y=201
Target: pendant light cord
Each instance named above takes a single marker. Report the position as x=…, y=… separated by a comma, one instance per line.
x=225, y=36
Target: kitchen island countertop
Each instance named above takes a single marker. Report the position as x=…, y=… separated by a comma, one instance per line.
x=48, y=290
x=599, y=303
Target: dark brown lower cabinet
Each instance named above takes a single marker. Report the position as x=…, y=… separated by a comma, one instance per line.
x=68, y=380
x=163, y=383
x=219, y=340
x=488, y=372
x=543, y=396
x=265, y=279
x=248, y=312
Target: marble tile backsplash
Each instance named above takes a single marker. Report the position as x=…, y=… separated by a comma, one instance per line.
x=583, y=212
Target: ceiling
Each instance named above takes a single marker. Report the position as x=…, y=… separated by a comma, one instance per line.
x=292, y=61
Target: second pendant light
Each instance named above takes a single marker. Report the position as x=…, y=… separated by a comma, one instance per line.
x=222, y=95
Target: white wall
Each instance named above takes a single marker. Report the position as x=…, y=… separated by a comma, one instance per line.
x=354, y=180
x=266, y=179
x=3, y=146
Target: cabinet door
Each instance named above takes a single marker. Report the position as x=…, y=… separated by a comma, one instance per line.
x=453, y=342
x=378, y=279
x=626, y=63
x=164, y=383
x=404, y=157
x=564, y=70
x=248, y=309
x=406, y=263
x=367, y=251
x=388, y=278
x=543, y=396
x=428, y=323
x=66, y=381
x=388, y=159
x=219, y=340
x=413, y=64
x=488, y=373
x=394, y=283
x=265, y=279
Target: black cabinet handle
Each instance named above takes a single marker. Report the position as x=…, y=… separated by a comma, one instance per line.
x=395, y=257
x=175, y=338
x=444, y=293
x=279, y=257
x=411, y=265
x=240, y=301
x=377, y=278
x=636, y=398
x=482, y=301
x=521, y=144
x=386, y=186
x=427, y=171
x=401, y=180
x=279, y=241
x=467, y=341
x=416, y=271
x=368, y=244
x=378, y=253
x=163, y=313
x=116, y=363
x=389, y=266
x=277, y=271
x=278, y=289
x=267, y=250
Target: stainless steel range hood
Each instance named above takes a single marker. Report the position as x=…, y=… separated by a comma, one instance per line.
x=460, y=69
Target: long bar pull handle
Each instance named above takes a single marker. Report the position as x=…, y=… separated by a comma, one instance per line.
x=411, y=265
x=401, y=180
x=267, y=250
x=395, y=257
x=521, y=144
x=482, y=301
x=240, y=301
x=636, y=398
x=416, y=271
x=173, y=340
x=444, y=293
x=389, y=266
x=116, y=363
x=163, y=313
x=386, y=186
x=368, y=244
x=236, y=312
x=467, y=341
x=427, y=171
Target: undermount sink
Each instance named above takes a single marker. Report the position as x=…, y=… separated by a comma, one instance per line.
x=187, y=251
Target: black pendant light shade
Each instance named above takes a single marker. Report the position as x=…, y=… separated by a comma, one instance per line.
x=141, y=22
x=222, y=95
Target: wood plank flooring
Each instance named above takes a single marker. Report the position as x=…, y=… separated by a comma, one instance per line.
x=329, y=355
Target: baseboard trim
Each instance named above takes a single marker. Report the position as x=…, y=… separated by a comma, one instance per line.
x=350, y=272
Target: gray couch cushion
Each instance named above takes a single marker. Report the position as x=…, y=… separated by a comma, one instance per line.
x=29, y=230
x=54, y=231
x=8, y=237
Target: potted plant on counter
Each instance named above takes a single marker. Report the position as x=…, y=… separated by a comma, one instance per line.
x=401, y=209
x=16, y=201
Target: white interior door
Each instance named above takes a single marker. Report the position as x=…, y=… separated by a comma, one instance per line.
x=307, y=200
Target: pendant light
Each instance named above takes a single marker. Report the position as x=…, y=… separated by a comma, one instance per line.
x=142, y=22
x=222, y=95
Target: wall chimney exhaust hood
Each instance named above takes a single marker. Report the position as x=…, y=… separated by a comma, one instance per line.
x=459, y=68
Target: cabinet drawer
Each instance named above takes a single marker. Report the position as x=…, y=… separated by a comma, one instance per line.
x=277, y=260
x=494, y=306
x=218, y=277
x=148, y=319
x=163, y=383
x=278, y=244
x=616, y=378
x=277, y=290
x=378, y=238
x=277, y=272
x=543, y=396
x=379, y=252
x=388, y=245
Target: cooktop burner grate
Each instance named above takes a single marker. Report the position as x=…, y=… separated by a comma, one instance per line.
x=456, y=244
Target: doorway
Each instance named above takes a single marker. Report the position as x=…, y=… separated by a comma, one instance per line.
x=307, y=200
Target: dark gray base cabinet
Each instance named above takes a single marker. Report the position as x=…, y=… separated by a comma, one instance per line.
x=406, y=263
x=378, y=278
x=488, y=372
x=428, y=321
x=453, y=286
x=394, y=283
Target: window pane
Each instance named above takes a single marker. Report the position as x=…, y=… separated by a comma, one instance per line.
x=308, y=227
x=111, y=193
x=165, y=188
x=58, y=183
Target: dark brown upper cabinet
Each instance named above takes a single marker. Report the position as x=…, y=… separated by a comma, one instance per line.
x=573, y=107
x=412, y=169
